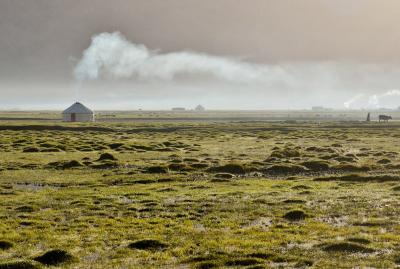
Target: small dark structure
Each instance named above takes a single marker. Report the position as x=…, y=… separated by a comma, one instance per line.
x=369, y=117
x=384, y=118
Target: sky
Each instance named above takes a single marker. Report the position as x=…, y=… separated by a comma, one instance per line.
x=223, y=54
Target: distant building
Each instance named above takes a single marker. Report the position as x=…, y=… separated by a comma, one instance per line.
x=317, y=108
x=320, y=108
x=78, y=113
x=200, y=108
x=178, y=109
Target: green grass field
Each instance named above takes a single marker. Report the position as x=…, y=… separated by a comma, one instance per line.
x=190, y=194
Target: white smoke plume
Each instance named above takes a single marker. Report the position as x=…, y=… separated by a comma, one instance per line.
x=374, y=101
x=348, y=104
x=111, y=55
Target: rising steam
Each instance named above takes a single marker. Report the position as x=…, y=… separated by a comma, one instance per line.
x=373, y=101
x=111, y=55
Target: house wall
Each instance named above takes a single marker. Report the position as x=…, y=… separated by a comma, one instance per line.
x=79, y=117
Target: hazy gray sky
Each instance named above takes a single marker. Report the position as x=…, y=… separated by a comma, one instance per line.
x=320, y=52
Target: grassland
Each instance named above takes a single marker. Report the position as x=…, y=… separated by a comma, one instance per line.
x=199, y=195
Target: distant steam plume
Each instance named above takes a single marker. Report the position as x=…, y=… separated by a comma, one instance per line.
x=111, y=55
x=350, y=102
x=373, y=101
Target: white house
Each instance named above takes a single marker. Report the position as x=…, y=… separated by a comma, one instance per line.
x=78, y=112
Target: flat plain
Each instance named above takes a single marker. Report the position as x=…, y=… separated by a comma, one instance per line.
x=199, y=194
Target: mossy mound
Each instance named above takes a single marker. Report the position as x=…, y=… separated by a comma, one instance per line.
x=295, y=215
x=26, y=209
x=285, y=169
x=351, y=168
x=207, y=265
x=148, y=244
x=178, y=167
x=347, y=247
x=384, y=161
x=358, y=240
x=107, y=156
x=115, y=145
x=224, y=175
x=71, y=164
x=55, y=257
x=199, y=165
x=360, y=178
x=262, y=255
x=107, y=164
x=231, y=168
x=30, y=149
x=4, y=245
x=18, y=265
x=285, y=153
x=65, y=164
x=316, y=165
x=157, y=169
x=243, y=262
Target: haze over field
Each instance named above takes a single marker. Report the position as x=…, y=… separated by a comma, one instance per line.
x=275, y=54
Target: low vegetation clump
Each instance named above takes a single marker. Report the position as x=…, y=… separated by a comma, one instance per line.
x=148, y=244
x=4, y=245
x=347, y=247
x=295, y=215
x=243, y=262
x=107, y=157
x=232, y=168
x=360, y=178
x=285, y=153
x=18, y=265
x=285, y=169
x=316, y=165
x=157, y=169
x=55, y=257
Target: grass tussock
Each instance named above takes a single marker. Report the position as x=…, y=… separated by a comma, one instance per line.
x=5, y=245
x=55, y=257
x=295, y=215
x=232, y=168
x=347, y=247
x=19, y=265
x=148, y=244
